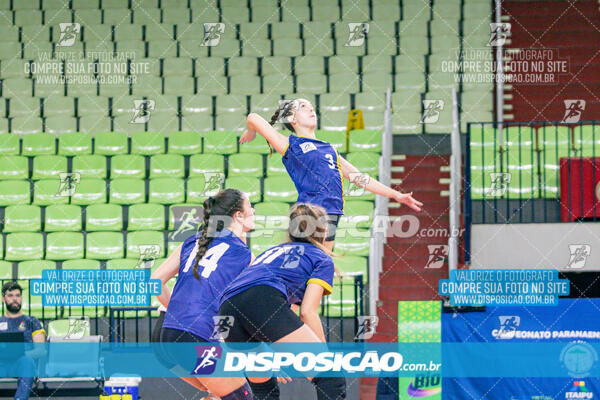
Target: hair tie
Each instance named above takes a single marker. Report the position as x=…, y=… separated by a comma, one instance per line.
x=211, y=201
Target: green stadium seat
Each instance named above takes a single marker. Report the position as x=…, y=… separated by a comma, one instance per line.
x=14, y=193
x=312, y=83
x=111, y=143
x=122, y=124
x=14, y=167
x=146, y=216
x=242, y=66
x=103, y=217
x=341, y=302
x=32, y=269
x=250, y=186
x=62, y=217
x=15, y=87
x=22, y=218
x=24, y=246
x=46, y=192
x=144, y=238
x=177, y=67
x=334, y=120
x=262, y=240
x=192, y=48
x=256, y=48
x=5, y=269
x=164, y=123
x=335, y=138
x=197, y=123
x=230, y=122
x=60, y=328
x=199, y=188
x=94, y=124
x=278, y=83
x=123, y=263
x=352, y=242
x=220, y=142
x=39, y=144
x=279, y=188
x=59, y=106
x=249, y=165
x=179, y=85
x=365, y=140
x=125, y=32
x=554, y=143
x=24, y=107
x=203, y=163
x=521, y=164
x=334, y=102
x=89, y=191
x=271, y=215
x=278, y=65
x=147, y=143
x=357, y=214
x=74, y=144
x=127, y=191
x=484, y=162
x=48, y=167
x=9, y=144
x=192, y=104
x=343, y=83
x=254, y=30
x=166, y=191
x=104, y=245
x=90, y=166
x=365, y=162
x=306, y=65
x=275, y=165
x=127, y=166
x=231, y=103
x=114, y=16
x=81, y=264
x=587, y=140
x=185, y=143
x=89, y=88
x=3, y=125
x=123, y=105
x=64, y=245
x=9, y=33
x=175, y=15
x=167, y=166
x=266, y=13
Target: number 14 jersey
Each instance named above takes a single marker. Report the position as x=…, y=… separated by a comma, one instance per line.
x=194, y=303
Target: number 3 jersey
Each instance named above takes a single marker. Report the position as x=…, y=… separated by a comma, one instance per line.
x=314, y=167
x=194, y=303
x=288, y=267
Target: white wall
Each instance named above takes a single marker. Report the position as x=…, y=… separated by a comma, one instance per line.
x=540, y=246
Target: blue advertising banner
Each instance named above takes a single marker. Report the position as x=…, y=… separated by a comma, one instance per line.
x=572, y=323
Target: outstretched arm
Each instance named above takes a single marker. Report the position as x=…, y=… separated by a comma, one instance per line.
x=373, y=185
x=256, y=123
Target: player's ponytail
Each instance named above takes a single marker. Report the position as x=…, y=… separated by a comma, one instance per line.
x=286, y=109
x=218, y=210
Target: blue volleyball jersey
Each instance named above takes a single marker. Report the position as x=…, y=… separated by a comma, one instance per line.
x=314, y=166
x=194, y=303
x=288, y=267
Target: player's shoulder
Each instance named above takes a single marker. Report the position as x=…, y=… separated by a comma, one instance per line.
x=31, y=319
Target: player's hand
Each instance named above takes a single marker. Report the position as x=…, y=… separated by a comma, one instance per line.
x=248, y=136
x=406, y=198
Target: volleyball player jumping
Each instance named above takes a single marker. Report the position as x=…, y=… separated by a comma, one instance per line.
x=315, y=167
x=298, y=272
x=206, y=263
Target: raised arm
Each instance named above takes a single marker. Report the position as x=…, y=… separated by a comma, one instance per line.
x=166, y=271
x=373, y=185
x=256, y=123
x=309, y=309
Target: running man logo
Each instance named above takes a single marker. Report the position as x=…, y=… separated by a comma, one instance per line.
x=223, y=323
x=77, y=328
x=68, y=34
x=437, y=255
x=148, y=252
x=142, y=110
x=358, y=33
x=499, y=183
x=213, y=182
x=68, y=183
x=358, y=182
x=291, y=259
x=207, y=359
x=431, y=111
x=579, y=255
x=366, y=327
x=212, y=33
x=573, y=111
x=499, y=33
x=186, y=219
x=508, y=327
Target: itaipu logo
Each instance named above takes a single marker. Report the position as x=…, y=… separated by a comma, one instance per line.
x=207, y=359
x=424, y=386
x=579, y=391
